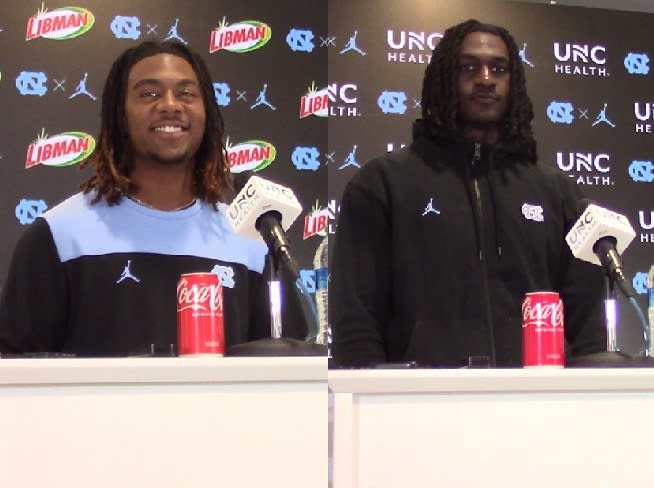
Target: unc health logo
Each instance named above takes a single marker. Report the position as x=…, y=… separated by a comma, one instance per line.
x=300, y=40
x=225, y=275
x=241, y=37
x=637, y=63
x=392, y=102
x=641, y=171
x=252, y=155
x=59, y=24
x=305, y=158
x=65, y=149
x=28, y=210
x=315, y=102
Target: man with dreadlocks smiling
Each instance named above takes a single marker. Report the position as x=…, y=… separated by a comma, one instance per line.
x=97, y=274
x=437, y=243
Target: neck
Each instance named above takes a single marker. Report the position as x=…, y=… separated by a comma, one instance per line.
x=482, y=135
x=163, y=187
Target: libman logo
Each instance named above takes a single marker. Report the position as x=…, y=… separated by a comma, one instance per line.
x=60, y=24
x=315, y=222
x=315, y=102
x=65, y=149
x=253, y=155
x=241, y=37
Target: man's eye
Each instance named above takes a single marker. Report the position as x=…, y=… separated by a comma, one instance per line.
x=188, y=94
x=149, y=94
x=499, y=69
x=466, y=67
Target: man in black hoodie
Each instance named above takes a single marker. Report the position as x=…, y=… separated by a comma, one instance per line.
x=438, y=243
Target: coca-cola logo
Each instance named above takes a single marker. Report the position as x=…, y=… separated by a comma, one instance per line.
x=542, y=314
x=206, y=298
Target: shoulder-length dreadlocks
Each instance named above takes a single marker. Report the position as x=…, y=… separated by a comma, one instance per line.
x=112, y=157
x=440, y=101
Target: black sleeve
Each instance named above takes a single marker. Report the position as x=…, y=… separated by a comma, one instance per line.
x=582, y=288
x=360, y=279
x=33, y=306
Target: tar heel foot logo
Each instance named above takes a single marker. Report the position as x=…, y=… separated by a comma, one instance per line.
x=65, y=149
x=28, y=210
x=300, y=40
x=315, y=102
x=306, y=158
x=60, y=24
x=580, y=60
x=252, y=155
x=586, y=168
x=315, y=223
x=392, y=102
x=641, y=171
x=411, y=46
x=225, y=275
x=646, y=223
x=241, y=37
x=532, y=212
x=637, y=63
x=343, y=99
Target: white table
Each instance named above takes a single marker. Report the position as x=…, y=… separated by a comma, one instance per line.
x=492, y=428
x=163, y=422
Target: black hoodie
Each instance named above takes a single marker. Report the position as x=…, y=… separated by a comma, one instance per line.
x=437, y=245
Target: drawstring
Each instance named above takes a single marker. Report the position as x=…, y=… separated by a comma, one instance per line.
x=494, y=204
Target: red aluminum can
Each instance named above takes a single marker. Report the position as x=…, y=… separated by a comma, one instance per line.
x=543, y=342
x=200, y=324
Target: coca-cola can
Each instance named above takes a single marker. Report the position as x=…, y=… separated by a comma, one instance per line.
x=200, y=323
x=543, y=343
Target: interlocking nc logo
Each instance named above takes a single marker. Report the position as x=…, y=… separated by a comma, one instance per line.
x=640, y=283
x=124, y=27
x=305, y=158
x=300, y=40
x=641, y=171
x=221, y=93
x=560, y=112
x=637, y=63
x=391, y=102
x=32, y=83
x=308, y=278
x=28, y=210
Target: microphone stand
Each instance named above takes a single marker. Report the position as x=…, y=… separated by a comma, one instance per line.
x=276, y=345
x=612, y=357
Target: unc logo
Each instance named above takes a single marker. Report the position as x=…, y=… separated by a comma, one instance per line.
x=125, y=27
x=640, y=283
x=31, y=83
x=28, y=210
x=221, y=93
x=308, y=280
x=533, y=212
x=560, y=112
x=300, y=40
x=225, y=275
x=305, y=158
x=641, y=171
x=636, y=64
x=392, y=102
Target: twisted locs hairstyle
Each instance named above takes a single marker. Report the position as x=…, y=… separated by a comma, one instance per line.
x=112, y=156
x=440, y=100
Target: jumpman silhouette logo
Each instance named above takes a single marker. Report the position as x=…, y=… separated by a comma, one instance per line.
x=352, y=45
x=601, y=117
x=81, y=89
x=523, y=55
x=430, y=208
x=173, y=34
x=350, y=160
x=127, y=273
x=262, y=100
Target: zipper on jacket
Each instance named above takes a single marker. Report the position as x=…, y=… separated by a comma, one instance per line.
x=475, y=186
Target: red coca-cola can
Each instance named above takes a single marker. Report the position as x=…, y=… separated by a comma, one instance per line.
x=200, y=323
x=543, y=343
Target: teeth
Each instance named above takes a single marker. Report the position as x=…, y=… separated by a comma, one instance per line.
x=168, y=128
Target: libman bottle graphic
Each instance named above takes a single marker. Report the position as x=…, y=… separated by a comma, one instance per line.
x=59, y=24
x=240, y=37
x=253, y=155
x=315, y=102
x=65, y=149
